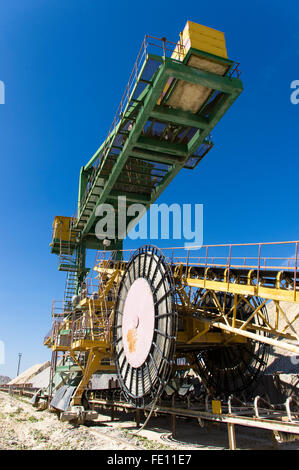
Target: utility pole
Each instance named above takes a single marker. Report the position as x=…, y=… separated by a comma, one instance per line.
x=19, y=363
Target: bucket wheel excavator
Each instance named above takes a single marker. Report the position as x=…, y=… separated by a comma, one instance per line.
x=142, y=320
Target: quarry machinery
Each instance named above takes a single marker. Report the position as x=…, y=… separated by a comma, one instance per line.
x=148, y=317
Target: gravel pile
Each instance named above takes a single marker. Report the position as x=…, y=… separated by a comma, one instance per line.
x=4, y=379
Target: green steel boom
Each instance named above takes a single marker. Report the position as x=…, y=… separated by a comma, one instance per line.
x=163, y=124
x=136, y=146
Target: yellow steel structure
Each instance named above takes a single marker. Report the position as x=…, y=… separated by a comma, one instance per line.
x=227, y=322
x=202, y=291
x=202, y=38
x=62, y=228
x=198, y=330
x=89, y=328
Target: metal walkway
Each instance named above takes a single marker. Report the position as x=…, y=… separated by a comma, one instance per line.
x=149, y=143
x=214, y=281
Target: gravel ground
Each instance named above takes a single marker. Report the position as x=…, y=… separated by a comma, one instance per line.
x=24, y=427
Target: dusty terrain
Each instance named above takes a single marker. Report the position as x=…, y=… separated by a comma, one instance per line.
x=24, y=427
x=4, y=379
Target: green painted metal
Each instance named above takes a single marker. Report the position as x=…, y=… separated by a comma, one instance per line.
x=68, y=368
x=82, y=186
x=141, y=119
x=169, y=148
x=133, y=138
x=181, y=71
x=177, y=116
x=137, y=144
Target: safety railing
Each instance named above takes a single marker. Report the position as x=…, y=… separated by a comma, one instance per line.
x=58, y=317
x=235, y=70
x=265, y=260
x=48, y=335
x=164, y=48
x=90, y=327
x=249, y=255
x=158, y=46
x=266, y=256
x=93, y=284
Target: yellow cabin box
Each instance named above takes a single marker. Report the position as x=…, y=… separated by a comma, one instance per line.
x=202, y=38
x=203, y=41
x=62, y=228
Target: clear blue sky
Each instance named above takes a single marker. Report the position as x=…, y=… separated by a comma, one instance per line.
x=65, y=65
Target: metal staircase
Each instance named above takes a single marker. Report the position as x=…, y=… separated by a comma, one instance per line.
x=70, y=290
x=70, y=262
x=68, y=257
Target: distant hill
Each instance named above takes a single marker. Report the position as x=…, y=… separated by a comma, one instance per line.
x=4, y=379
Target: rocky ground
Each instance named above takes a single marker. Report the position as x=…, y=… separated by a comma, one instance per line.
x=23, y=427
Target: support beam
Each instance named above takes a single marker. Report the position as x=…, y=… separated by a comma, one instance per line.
x=156, y=156
x=168, y=68
x=127, y=116
x=162, y=146
x=91, y=366
x=173, y=425
x=132, y=197
x=149, y=102
x=204, y=78
x=222, y=108
x=82, y=187
x=177, y=116
x=98, y=152
x=172, y=172
x=231, y=436
x=264, y=339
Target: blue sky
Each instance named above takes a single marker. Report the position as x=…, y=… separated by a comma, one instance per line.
x=65, y=65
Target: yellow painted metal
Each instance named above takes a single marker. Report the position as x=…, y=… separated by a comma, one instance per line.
x=289, y=324
x=283, y=345
x=98, y=303
x=198, y=325
x=93, y=364
x=57, y=347
x=269, y=293
x=62, y=228
x=108, y=271
x=208, y=337
x=235, y=310
x=216, y=407
x=256, y=295
x=266, y=329
x=73, y=356
x=202, y=38
x=196, y=331
x=91, y=333
x=86, y=344
x=47, y=342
